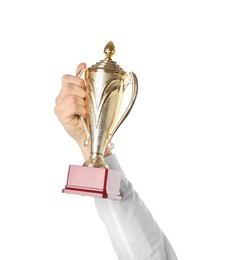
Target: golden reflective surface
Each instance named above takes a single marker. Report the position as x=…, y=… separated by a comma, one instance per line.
x=106, y=82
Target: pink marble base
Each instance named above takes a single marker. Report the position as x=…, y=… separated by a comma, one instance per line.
x=94, y=182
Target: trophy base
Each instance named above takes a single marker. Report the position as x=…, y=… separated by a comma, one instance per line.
x=94, y=182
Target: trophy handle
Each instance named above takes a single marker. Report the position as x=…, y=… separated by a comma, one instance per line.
x=134, y=83
x=83, y=121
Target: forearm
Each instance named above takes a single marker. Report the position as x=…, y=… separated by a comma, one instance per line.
x=132, y=229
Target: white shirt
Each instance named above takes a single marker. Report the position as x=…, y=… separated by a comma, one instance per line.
x=134, y=233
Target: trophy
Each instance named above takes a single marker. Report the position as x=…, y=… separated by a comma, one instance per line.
x=106, y=83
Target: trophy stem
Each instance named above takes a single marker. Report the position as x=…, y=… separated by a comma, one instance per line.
x=96, y=160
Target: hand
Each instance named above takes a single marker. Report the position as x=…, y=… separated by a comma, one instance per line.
x=70, y=104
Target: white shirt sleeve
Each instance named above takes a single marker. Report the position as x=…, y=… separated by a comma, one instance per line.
x=131, y=227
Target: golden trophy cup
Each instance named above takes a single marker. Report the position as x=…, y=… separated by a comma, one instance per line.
x=106, y=83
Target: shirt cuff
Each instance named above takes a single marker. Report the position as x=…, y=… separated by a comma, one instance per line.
x=113, y=164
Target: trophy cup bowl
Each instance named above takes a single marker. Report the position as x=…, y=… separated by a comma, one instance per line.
x=106, y=83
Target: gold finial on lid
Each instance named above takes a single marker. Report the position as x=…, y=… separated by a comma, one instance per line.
x=109, y=50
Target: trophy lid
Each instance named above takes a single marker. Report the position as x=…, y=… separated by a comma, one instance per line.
x=108, y=65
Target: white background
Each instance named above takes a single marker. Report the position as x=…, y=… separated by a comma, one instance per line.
x=175, y=147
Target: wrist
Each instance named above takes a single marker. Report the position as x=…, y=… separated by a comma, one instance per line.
x=107, y=152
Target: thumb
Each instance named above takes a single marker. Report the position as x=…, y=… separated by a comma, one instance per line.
x=80, y=67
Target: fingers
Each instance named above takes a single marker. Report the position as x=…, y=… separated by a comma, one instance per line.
x=72, y=91
x=71, y=99
x=69, y=96
x=71, y=86
x=80, y=67
x=70, y=107
x=69, y=79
